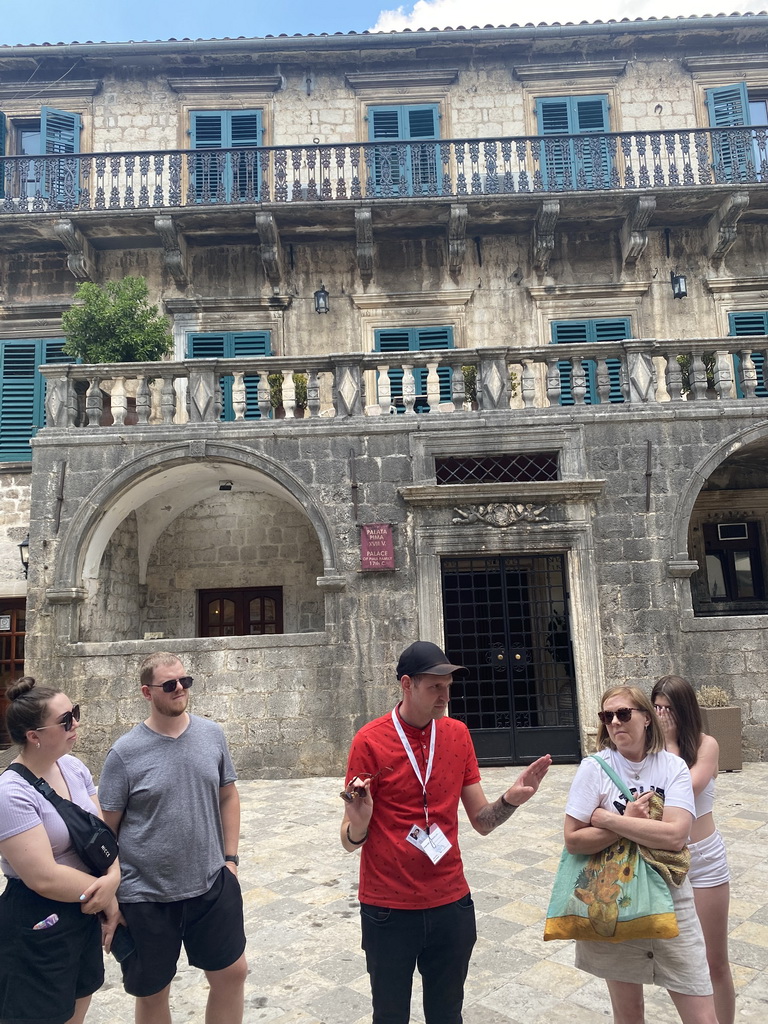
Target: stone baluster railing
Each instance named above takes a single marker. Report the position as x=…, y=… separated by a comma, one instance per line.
x=612, y=375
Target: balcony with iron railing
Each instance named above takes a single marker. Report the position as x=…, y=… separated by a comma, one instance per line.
x=608, y=376
x=522, y=170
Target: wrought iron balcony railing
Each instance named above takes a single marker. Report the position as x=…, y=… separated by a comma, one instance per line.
x=613, y=375
x=393, y=170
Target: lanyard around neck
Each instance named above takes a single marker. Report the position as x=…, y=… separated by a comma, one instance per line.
x=417, y=771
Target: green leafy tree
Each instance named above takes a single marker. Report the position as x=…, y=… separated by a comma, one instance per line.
x=116, y=324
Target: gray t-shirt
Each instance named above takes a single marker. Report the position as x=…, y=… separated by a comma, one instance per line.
x=171, y=841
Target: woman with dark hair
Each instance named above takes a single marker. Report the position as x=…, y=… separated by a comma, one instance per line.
x=51, y=960
x=677, y=709
x=631, y=742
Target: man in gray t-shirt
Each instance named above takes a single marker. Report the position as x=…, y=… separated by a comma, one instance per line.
x=168, y=790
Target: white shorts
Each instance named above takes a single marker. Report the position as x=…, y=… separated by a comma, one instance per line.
x=709, y=866
x=678, y=965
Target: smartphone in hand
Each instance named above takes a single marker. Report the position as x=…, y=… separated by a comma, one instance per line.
x=122, y=944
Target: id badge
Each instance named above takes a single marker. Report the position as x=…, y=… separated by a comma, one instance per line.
x=433, y=843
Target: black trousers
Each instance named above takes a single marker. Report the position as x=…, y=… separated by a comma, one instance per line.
x=438, y=941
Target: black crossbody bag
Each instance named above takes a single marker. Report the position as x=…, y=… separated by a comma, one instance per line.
x=93, y=839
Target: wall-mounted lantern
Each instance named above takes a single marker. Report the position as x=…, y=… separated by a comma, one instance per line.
x=24, y=553
x=679, y=285
x=322, y=304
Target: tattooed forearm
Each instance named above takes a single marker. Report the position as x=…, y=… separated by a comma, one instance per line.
x=494, y=814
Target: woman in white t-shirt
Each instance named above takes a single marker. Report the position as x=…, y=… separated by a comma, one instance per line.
x=597, y=814
x=675, y=703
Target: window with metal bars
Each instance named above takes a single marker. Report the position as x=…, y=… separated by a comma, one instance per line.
x=523, y=467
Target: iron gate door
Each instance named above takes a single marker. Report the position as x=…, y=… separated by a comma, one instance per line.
x=506, y=620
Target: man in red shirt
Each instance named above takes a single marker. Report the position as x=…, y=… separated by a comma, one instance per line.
x=406, y=773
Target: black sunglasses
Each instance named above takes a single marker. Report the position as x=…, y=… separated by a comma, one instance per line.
x=66, y=719
x=170, y=684
x=623, y=715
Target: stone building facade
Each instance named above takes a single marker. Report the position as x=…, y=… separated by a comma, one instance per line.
x=570, y=459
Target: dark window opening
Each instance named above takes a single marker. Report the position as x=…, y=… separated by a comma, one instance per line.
x=252, y=611
x=731, y=578
x=13, y=625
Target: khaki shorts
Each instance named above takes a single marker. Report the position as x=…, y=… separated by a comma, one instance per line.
x=678, y=965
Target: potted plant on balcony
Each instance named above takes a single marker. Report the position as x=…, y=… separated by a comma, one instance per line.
x=722, y=719
x=276, y=391
x=115, y=323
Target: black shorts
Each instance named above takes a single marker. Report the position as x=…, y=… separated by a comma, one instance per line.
x=43, y=972
x=210, y=926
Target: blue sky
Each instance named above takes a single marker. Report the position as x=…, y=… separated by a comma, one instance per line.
x=53, y=21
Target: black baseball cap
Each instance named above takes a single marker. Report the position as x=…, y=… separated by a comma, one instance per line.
x=424, y=658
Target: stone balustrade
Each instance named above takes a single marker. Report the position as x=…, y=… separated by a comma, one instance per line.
x=343, y=386
x=557, y=164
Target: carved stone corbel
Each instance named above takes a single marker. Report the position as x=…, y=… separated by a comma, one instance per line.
x=364, y=235
x=269, y=239
x=457, y=237
x=544, y=233
x=721, y=229
x=80, y=260
x=175, y=249
x=634, y=237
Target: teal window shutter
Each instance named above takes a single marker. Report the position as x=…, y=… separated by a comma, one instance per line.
x=574, y=163
x=416, y=339
x=569, y=332
x=22, y=392
x=230, y=345
x=2, y=154
x=232, y=176
x=60, y=136
x=414, y=169
x=728, y=107
x=748, y=323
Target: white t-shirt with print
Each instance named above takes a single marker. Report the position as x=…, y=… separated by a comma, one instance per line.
x=592, y=787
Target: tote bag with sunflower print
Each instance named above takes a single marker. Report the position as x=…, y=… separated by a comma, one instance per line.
x=611, y=896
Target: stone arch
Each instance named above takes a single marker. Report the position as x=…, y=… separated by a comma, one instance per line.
x=159, y=472
x=699, y=476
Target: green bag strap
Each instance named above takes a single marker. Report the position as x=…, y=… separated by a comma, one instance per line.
x=618, y=781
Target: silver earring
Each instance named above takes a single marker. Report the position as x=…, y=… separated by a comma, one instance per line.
x=38, y=744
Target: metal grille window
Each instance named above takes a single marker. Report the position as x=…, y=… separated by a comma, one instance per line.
x=496, y=469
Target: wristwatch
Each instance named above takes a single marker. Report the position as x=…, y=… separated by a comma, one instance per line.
x=232, y=858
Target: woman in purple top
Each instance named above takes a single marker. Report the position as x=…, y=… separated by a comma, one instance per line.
x=51, y=960
x=675, y=703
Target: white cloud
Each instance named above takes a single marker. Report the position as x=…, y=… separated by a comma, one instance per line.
x=452, y=13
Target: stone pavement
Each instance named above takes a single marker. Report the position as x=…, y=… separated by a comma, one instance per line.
x=303, y=929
